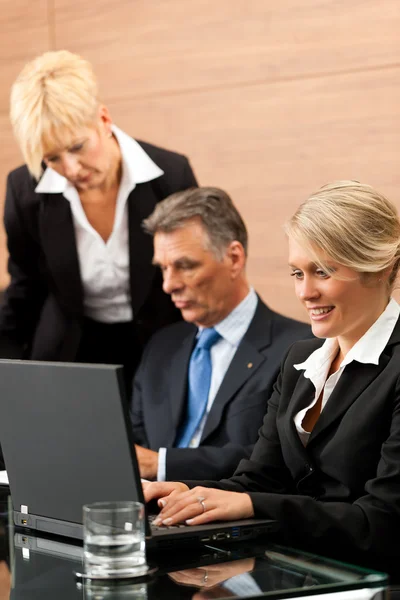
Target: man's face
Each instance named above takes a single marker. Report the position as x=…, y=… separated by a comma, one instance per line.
x=204, y=288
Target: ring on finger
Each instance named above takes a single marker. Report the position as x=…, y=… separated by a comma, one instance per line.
x=201, y=501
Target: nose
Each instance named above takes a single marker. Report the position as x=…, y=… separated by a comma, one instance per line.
x=70, y=166
x=307, y=289
x=171, y=281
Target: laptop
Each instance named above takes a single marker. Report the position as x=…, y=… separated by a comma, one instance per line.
x=66, y=438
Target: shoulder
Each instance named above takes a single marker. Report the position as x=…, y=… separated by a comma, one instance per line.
x=21, y=180
x=166, y=339
x=162, y=156
x=22, y=202
x=301, y=350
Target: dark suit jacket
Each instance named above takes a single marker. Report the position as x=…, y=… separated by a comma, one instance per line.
x=43, y=306
x=341, y=491
x=160, y=390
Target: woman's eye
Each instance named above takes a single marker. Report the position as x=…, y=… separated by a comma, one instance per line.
x=322, y=274
x=76, y=148
x=297, y=274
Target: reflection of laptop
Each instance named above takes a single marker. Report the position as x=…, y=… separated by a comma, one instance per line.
x=44, y=569
x=66, y=438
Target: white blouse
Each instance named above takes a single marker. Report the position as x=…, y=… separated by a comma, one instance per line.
x=104, y=266
x=367, y=350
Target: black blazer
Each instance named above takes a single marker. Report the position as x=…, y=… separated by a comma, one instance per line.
x=43, y=306
x=342, y=491
x=160, y=391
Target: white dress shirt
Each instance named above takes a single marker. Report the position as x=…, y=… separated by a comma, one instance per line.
x=104, y=266
x=367, y=350
x=231, y=330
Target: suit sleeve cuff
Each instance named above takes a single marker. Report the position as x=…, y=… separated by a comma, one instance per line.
x=162, y=466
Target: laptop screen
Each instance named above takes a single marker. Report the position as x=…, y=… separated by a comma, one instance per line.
x=66, y=438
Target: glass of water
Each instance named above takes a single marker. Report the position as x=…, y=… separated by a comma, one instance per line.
x=114, y=539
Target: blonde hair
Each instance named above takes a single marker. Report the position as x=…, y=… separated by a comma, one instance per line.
x=56, y=93
x=353, y=225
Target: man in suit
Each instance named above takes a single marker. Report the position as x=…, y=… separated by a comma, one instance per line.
x=200, y=245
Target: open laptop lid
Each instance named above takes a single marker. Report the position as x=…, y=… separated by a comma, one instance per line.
x=66, y=437
x=65, y=434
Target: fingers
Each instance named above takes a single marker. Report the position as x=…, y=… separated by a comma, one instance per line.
x=189, y=506
x=203, y=505
x=161, y=489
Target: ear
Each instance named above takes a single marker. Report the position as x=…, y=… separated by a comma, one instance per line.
x=104, y=120
x=236, y=256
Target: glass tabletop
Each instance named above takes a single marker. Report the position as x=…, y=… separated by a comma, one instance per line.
x=34, y=567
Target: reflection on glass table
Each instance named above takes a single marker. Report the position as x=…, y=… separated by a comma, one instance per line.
x=43, y=568
x=243, y=572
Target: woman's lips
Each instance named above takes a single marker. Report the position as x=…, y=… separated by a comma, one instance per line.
x=319, y=313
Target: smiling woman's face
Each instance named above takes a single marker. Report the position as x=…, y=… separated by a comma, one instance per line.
x=340, y=303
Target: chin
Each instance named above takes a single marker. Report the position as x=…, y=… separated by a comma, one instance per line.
x=322, y=332
x=189, y=316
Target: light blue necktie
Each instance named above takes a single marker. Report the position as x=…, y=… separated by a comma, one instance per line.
x=199, y=380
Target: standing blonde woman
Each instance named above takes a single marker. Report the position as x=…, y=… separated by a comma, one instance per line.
x=82, y=284
x=327, y=462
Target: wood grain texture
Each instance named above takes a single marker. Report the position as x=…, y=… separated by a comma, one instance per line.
x=271, y=145
x=269, y=100
x=24, y=34
x=158, y=46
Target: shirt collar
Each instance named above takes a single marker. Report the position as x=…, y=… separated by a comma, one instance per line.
x=367, y=350
x=235, y=325
x=137, y=167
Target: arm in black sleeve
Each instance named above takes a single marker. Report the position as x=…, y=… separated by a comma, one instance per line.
x=369, y=522
x=189, y=179
x=25, y=294
x=205, y=461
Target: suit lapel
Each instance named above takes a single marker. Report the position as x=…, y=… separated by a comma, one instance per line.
x=245, y=362
x=57, y=238
x=247, y=359
x=355, y=378
x=177, y=386
x=141, y=203
x=295, y=452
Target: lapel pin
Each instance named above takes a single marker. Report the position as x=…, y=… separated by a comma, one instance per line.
x=249, y=365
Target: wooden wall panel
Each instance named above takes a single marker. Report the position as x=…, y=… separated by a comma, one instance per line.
x=24, y=34
x=158, y=46
x=269, y=100
x=272, y=145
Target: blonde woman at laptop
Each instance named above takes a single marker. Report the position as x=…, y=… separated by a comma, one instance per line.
x=327, y=462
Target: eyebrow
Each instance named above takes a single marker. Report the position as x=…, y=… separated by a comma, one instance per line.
x=310, y=264
x=178, y=261
x=67, y=147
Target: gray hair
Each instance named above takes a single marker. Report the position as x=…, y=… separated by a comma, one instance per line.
x=215, y=209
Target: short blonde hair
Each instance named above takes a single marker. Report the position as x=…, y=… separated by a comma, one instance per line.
x=353, y=225
x=55, y=93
